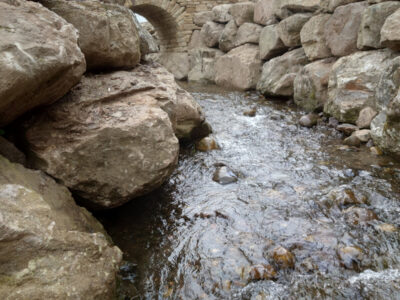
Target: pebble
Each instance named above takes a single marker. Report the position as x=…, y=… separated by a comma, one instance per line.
x=207, y=144
x=283, y=257
x=250, y=113
x=363, y=135
x=351, y=256
x=309, y=120
x=352, y=141
x=223, y=175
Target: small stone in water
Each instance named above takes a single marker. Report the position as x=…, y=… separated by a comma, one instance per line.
x=345, y=196
x=262, y=272
x=351, y=256
x=223, y=175
x=352, y=141
x=250, y=113
x=376, y=151
x=207, y=144
x=347, y=129
x=309, y=120
x=363, y=135
x=283, y=257
x=359, y=215
x=387, y=227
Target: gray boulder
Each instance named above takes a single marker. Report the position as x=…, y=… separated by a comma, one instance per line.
x=221, y=13
x=202, y=64
x=390, y=35
x=248, y=33
x=264, y=12
x=227, y=39
x=211, y=33
x=289, y=29
x=242, y=12
x=271, y=44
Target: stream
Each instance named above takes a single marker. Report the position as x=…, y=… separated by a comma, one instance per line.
x=335, y=210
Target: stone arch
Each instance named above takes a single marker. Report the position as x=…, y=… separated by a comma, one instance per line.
x=168, y=19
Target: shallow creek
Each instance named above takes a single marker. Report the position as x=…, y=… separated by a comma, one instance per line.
x=333, y=209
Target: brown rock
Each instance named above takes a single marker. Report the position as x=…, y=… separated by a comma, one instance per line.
x=283, y=257
x=9, y=151
x=365, y=117
x=207, y=144
x=40, y=60
x=351, y=256
x=347, y=129
x=359, y=215
x=364, y=135
x=262, y=272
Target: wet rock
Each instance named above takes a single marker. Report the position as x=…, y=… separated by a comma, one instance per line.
x=309, y=120
x=343, y=196
x=347, y=129
x=313, y=39
x=250, y=113
x=342, y=28
x=365, y=118
x=129, y=141
x=240, y=68
x=45, y=235
x=264, y=12
x=242, y=12
x=107, y=33
x=221, y=13
x=202, y=64
x=262, y=272
x=352, y=141
x=363, y=135
x=311, y=85
x=283, y=258
x=207, y=144
x=227, y=39
x=289, y=29
x=369, y=35
x=358, y=215
x=201, y=18
x=271, y=44
x=12, y=153
x=390, y=35
x=278, y=74
x=211, y=33
x=223, y=175
x=248, y=33
x=353, y=83
x=351, y=256
x=390, y=228
x=40, y=60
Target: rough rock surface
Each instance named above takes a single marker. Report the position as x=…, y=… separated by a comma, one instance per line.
x=353, y=83
x=289, y=29
x=311, y=84
x=221, y=13
x=369, y=35
x=331, y=5
x=341, y=30
x=211, y=33
x=242, y=12
x=196, y=41
x=148, y=43
x=202, y=64
x=175, y=62
x=39, y=58
x=385, y=130
x=286, y=8
x=248, y=33
x=12, y=153
x=365, y=118
x=264, y=12
x=279, y=73
x=50, y=247
x=390, y=34
x=107, y=33
x=313, y=37
x=388, y=85
x=227, y=38
x=239, y=68
x=111, y=138
x=270, y=43
x=201, y=18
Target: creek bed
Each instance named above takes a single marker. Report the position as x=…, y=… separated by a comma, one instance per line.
x=196, y=239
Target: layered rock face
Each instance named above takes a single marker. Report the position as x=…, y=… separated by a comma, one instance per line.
x=107, y=33
x=39, y=58
x=112, y=138
x=50, y=247
x=341, y=56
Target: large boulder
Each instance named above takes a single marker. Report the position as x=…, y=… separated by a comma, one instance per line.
x=311, y=84
x=201, y=18
x=388, y=85
x=286, y=8
x=50, y=247
x=341, y=30
x=39, y=58
x=196, y=40
x=353, y=83
x=112, y=139
x=289, y=29
x=227, y=39
x=148, y=43
x=390, y=35
x=264, y=12
x=331, y=5
x=242, y=12
x=202, y=64
x=279, y=73
x=211, y=33
x=221, y=13
x=175, y=62
x=369, y=35
x=248, y=33
x=313, y=37
x=240, y=68
x=107, y=33
x=270, y=43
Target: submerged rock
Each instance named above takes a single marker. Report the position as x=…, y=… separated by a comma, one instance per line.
x=359, y=215
x=283, y=258
x=112, y=139
x=207, y=144
x=40, y=59
x=51, y=248
x=223, y=175
x=351, y=256
x=262, y=272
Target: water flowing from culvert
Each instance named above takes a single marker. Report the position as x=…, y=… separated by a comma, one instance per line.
x=197, y=239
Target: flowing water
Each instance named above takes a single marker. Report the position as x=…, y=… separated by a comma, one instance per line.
x=335, y=209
